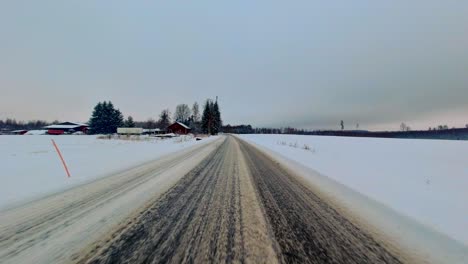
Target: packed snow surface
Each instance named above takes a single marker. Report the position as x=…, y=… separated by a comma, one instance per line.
x=31, y=168
x=36, y=132
x=426, y=180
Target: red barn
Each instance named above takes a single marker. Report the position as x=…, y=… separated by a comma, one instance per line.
x=178, y=128
x=66, y=127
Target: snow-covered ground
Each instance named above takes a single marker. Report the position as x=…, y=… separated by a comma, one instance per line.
x=426, y=180
x=31, y=168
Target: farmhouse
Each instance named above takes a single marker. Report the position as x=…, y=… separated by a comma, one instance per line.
x=66, y=128
x=178, y=128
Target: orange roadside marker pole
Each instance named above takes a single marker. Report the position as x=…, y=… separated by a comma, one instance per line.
x=61, y=158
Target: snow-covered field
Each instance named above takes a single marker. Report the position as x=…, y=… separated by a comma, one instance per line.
x=31, y=168
x=426, y=180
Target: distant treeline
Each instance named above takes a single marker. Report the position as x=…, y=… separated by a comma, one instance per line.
x=248, y=129
x=106, y=118
x=12, y=124
x=449, y=133
x=441, y=132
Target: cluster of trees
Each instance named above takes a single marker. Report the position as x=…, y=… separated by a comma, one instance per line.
x=190, y=117
x=12, y=124
x=239, y=129
x=211, y=119
x=183, y=114
x=440, y=127
x=162, y=123
x=209, y=122
x=248, y=129
x=106, y=118
x=129, y=122
x=404, y=127
x=440, y=132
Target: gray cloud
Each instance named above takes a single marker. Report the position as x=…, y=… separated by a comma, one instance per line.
x=271, y=64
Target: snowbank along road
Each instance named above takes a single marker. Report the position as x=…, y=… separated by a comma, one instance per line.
x=234, y=204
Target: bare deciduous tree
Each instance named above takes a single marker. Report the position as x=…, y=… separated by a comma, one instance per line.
x=195, y=113
x=150, y=124
x=182, y=113
x=404, y=127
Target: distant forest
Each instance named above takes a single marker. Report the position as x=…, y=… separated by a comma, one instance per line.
x=439, y=132
x=11, y=124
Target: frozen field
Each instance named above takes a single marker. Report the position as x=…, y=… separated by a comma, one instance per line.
x=31, y=168
x=426, y=180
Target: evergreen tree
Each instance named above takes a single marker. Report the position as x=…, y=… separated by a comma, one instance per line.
x=129, y=122
x=164, y=119
x=96, y=121
x=105, y=119
x=116, y=117
x=217, y=122
x=211, y=118
x=207, y=118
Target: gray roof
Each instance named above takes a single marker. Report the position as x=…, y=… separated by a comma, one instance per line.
x=62, y=126
x=66, y=125
x=182, y=124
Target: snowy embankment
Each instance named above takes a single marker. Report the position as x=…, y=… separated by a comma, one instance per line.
x=31, y=168
x=425, y=180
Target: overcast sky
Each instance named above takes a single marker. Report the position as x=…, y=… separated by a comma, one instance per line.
x=272, y=63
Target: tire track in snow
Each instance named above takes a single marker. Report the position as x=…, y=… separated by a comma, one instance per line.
x=210, y=215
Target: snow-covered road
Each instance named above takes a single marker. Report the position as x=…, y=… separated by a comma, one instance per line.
x=53, y=229
x=240, y=206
